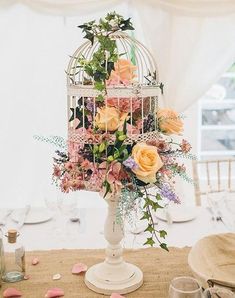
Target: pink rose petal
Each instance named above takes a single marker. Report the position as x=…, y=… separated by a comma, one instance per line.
x=54, y=293
x=56, y=276
x=11, y=292
x=26, y=277
x=35, y=261
x=78, y=268
x=116, y=295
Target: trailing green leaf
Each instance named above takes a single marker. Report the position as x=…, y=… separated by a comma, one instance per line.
x=150, y=241
x=162, y=234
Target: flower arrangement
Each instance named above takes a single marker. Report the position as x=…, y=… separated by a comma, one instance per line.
x=105, y=160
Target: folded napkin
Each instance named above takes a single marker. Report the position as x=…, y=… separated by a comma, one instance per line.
x=218, y=292
x=213, y=260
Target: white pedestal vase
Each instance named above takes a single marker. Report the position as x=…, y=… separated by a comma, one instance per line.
x=114, y=274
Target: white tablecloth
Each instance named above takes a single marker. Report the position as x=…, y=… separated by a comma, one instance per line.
x=61, y=233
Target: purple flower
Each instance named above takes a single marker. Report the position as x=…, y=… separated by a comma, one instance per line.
x=168, y=193
x=130, y=163
x=91, y=106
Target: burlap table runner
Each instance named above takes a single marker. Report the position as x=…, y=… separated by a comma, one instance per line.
x=159, y=268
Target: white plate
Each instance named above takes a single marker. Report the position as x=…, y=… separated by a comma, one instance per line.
x=35, y=215
x=177, y=213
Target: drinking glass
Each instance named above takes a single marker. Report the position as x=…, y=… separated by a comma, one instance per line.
x=216, y=203
x=67, y=203
x=185, y=287
x=230, y=206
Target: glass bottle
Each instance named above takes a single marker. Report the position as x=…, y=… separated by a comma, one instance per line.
x=14, y=259
x=2, y=261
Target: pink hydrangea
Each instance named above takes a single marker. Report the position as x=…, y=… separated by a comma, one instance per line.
x=124, y=104
x=185, y=146
x=56, y=171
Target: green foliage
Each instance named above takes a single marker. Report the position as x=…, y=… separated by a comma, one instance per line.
x=162, y=234
x=149, y=241
x=99, y=86
x=150, y=229
x=107, y=187
x=164, y=246
x=56, y=141
x=145, y=216
x=102, y=63
x=152, y=205
x=151, y=79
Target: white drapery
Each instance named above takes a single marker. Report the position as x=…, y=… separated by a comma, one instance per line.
x=192, y=51
x=65, y=7
x=192, y=41
x=75, y=7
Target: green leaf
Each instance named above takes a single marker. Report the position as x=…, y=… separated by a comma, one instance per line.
x=158, y=197
x=100, y=97
x=149, y=229
x=110, y=67
x=116, y=154
x=72, y=116
x=108, y=188
x=125, y=154
x=110, y=158
x=95, y=149
x=148, y=202
x=122, y=138
x=99, y=86
x=102, y=147
x=124, y=127
x=156, y=206
x=145, y=216
x=89, y=70
x=164, y=246
x=126, y=25
x=149, y=241
x=100, y=75
x=163, y=233
x=89, y=36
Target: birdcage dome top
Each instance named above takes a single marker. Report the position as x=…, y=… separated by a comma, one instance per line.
x=131, y=54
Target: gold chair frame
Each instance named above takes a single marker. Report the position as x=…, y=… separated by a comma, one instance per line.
x=210, y=188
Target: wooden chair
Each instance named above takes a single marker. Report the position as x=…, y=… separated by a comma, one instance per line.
x=216, y=175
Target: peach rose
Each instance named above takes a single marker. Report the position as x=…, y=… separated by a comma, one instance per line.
x=169, y=121
x=148, y=161
x=124, y=71
x=109, y=118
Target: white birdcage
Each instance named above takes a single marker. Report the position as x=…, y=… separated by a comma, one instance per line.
x=140, y=96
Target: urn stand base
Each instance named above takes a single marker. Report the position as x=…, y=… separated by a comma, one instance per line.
x=105, y=278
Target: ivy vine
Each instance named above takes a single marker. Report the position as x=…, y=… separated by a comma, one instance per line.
x=102, y=62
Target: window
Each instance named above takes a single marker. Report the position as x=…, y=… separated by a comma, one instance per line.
x=217, y=119
x=216, y=133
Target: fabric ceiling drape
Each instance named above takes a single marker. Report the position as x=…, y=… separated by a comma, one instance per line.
x=64, y=7
x=74, y=7
x=191, y=52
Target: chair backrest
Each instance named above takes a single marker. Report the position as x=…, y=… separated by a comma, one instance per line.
x=213, y=176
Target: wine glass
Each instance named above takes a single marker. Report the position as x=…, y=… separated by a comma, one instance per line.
x=67, y=204
x=185, y=287
x=216, y=202
x=230, y=206
x=51, y=202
